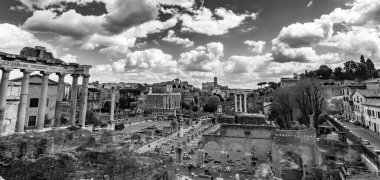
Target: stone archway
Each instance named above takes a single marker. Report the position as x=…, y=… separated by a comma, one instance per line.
x=213, y=149
x=291, y=165
x=235, y=151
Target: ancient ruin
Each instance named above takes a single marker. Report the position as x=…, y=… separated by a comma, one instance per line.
x=39, y=60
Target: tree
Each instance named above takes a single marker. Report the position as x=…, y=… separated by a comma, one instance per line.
x=338, y=73
x=362, y=60
x=362, y=71
x=371, y=68
x=281, y=106
x=261, y=84
x=273, y=85
x=212, y=103
x=336, y=105
x=350, y=67
x=324, y=72
x=309, y=97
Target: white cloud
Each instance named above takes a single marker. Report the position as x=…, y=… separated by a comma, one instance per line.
x=153, y=60
x=13, y=39
x=204, y=22
x=202, y=59
x=300, y=35
x=122, y=14
x=69, y=58
x=171, y=37
x=246, y=64
x=182, y=3
x=255, y=46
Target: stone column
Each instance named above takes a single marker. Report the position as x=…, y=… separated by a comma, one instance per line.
x=179, y=155
x=43, y=100
x=4, y=93
x=112, y=111
x=201, y=157
x=21, y=111
x=83, y=100
x=245, y=103
x=240, y=104
x=58, y=103
x=73, y=100
x=236, y=109
x=248, y=161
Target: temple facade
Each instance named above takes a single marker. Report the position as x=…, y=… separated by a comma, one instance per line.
x=39, y=60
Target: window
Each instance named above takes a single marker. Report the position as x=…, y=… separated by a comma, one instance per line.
x=33, y=102
x=32, y=121
x=47, y=102
x=373, y=113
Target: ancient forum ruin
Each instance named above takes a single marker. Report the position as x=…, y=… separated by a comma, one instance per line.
x=39, y=60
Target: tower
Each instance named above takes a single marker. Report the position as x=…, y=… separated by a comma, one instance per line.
x=215, y=81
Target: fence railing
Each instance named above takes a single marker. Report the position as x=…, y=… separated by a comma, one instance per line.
x=369, y=154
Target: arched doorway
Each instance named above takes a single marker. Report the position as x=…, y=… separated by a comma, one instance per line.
x=291, y=166
x=213, y=150
x=236, y=155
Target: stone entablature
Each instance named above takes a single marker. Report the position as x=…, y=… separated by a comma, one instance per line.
x=38, y=59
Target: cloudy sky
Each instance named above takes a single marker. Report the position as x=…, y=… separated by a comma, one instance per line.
x=242, y=42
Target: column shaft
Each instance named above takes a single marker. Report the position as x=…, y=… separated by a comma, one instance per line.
x=58, y=103
x=236, y=109
x=3, y=94
x=73, y=100
x=245, y=103
x=83, y=101
x=240, y=104
x=42, y=101
x=21, y=111
x=112, y=111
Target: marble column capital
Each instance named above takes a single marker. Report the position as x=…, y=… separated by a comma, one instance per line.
x=61, y=74
x=75, y=75
x=6, y=69
x=44, y=73
x=26, y=71
x=85, y=75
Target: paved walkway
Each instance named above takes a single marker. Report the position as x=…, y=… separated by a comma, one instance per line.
x=366, y=134
x=163, y=140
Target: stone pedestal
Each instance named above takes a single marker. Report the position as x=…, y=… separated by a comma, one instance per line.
x=248, y=161
x=224, y=158
x=201, y=157
x=179, y=156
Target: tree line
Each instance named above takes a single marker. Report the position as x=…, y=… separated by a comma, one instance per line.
x=351, y=70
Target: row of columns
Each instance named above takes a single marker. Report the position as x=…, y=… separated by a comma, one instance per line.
x=169, y=102
x=21, y=112
x=241, y=103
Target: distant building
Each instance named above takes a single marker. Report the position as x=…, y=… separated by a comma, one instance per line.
x=93, y=99
x=364, y=96
x=348, y=104
x=163, y=101
x=33, y=100
x=287, y=82
x=215, y=88
x=371, y=113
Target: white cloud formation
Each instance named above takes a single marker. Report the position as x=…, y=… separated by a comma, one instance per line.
x=246, y=64
x=122, y=14
x=69, y=58
x=172, y=38
x=204, y=22
x=13, y=39
x=255, y=46
x=202, y=59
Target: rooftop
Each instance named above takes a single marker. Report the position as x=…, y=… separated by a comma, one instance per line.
x=369, y=93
